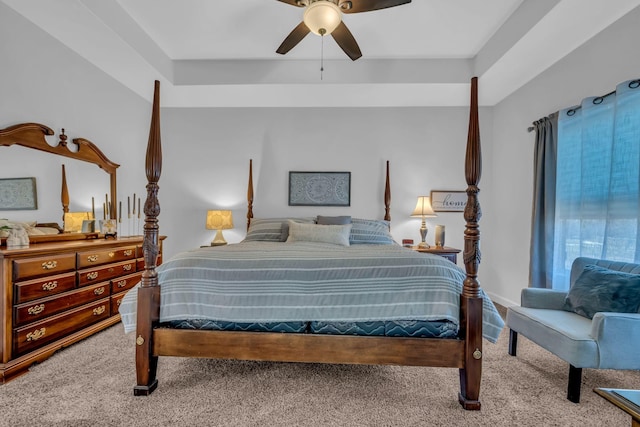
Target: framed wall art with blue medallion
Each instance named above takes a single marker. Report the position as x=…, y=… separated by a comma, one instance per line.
x=319, y=188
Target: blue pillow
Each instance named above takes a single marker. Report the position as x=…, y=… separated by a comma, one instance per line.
x=599, y=289
x=370, y=231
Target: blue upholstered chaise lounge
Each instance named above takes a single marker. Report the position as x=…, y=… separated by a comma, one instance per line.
x=610, y=340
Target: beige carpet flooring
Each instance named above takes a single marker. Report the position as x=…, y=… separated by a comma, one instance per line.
x=90, y=384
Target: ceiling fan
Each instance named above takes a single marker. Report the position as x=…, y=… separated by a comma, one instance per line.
x=324, y=17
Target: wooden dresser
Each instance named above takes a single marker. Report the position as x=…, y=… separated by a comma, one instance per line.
x=54, y=294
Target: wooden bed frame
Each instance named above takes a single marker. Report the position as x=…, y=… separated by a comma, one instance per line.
x=464, y=353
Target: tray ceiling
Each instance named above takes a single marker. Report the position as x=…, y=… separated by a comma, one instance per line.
x=221, y=53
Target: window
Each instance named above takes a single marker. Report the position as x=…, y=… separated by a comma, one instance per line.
x=598, y=181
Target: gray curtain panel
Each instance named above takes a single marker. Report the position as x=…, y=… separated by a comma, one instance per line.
x=544, y=201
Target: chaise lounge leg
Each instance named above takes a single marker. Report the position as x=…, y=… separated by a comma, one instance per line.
x=513, y=342
x=575, y=381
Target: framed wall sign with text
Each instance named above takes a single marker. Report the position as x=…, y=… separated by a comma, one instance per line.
x=448, y=201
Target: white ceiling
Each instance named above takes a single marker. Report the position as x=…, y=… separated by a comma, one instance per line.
x=221, y=53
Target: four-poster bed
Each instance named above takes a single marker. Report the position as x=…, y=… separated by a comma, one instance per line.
x=464, y=352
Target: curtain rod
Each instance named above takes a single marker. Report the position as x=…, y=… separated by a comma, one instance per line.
x=633, y=84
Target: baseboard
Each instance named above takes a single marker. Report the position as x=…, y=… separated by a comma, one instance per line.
x=500, y=300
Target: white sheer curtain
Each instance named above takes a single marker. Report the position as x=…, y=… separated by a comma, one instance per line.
x=598, y=181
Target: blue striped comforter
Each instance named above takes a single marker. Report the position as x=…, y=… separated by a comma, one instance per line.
x=304, y=281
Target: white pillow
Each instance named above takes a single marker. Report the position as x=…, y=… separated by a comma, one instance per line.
x=28, y=226
x=39, y=231
x=335, y=234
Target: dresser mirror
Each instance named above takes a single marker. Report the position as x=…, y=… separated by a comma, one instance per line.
x=33, y=136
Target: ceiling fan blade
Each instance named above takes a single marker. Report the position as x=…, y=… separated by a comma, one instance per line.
x=346, y=41
x=293, y=2
x=367, y=5
x=293, y=38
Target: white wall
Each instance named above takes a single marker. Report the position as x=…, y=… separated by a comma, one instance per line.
x=594, y=69
x=209, y=152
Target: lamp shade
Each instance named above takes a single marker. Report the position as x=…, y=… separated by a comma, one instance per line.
x=322, y=17
x=423, y=207
x=219, y=220
x=73, y=221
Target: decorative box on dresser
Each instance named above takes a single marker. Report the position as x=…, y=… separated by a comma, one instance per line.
x=57, y=293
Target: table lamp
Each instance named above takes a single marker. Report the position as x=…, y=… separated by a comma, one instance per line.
x=219, y=220
x=423, y=209
x=73, y=221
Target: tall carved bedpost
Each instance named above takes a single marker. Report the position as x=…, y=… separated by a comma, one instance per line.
x=250, y=195
x=387, y=196
x=470, y=301
x=149, y=291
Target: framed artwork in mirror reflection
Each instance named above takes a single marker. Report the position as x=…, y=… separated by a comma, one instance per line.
x=18, y=194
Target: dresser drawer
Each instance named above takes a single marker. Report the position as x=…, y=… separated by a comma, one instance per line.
x=43, y=287
x=451, y=257
x=37, y=334
x=101, y=274
x=105, y=256
x=40, y=309
x=116, y=300
x=124, y=283
x=43, y=266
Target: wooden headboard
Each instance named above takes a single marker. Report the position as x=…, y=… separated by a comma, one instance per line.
x=387, y=195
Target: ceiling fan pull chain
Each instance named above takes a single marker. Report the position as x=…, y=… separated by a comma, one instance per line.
x=321, y=55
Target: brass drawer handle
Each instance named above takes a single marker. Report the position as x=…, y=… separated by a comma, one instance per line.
x=122, y=283
x=126, y=267
x=36, y=309
x=92, y=258
x=118, y=302
x=128, y=252
x=48, y=265
x=36, y=335
x=99, y=291
x=93, y=275
x=111, y=254
x=49, y=286
x=98, y=310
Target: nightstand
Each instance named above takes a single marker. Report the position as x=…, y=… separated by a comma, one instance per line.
x=446, y=252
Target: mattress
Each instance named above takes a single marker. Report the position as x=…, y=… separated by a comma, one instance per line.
x=406, y=328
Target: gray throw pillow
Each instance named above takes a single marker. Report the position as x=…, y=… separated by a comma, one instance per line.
x=599, y=289
x=334, y=220
x=271, y=229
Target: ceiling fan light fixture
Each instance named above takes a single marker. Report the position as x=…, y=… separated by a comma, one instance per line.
x=322, y=17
